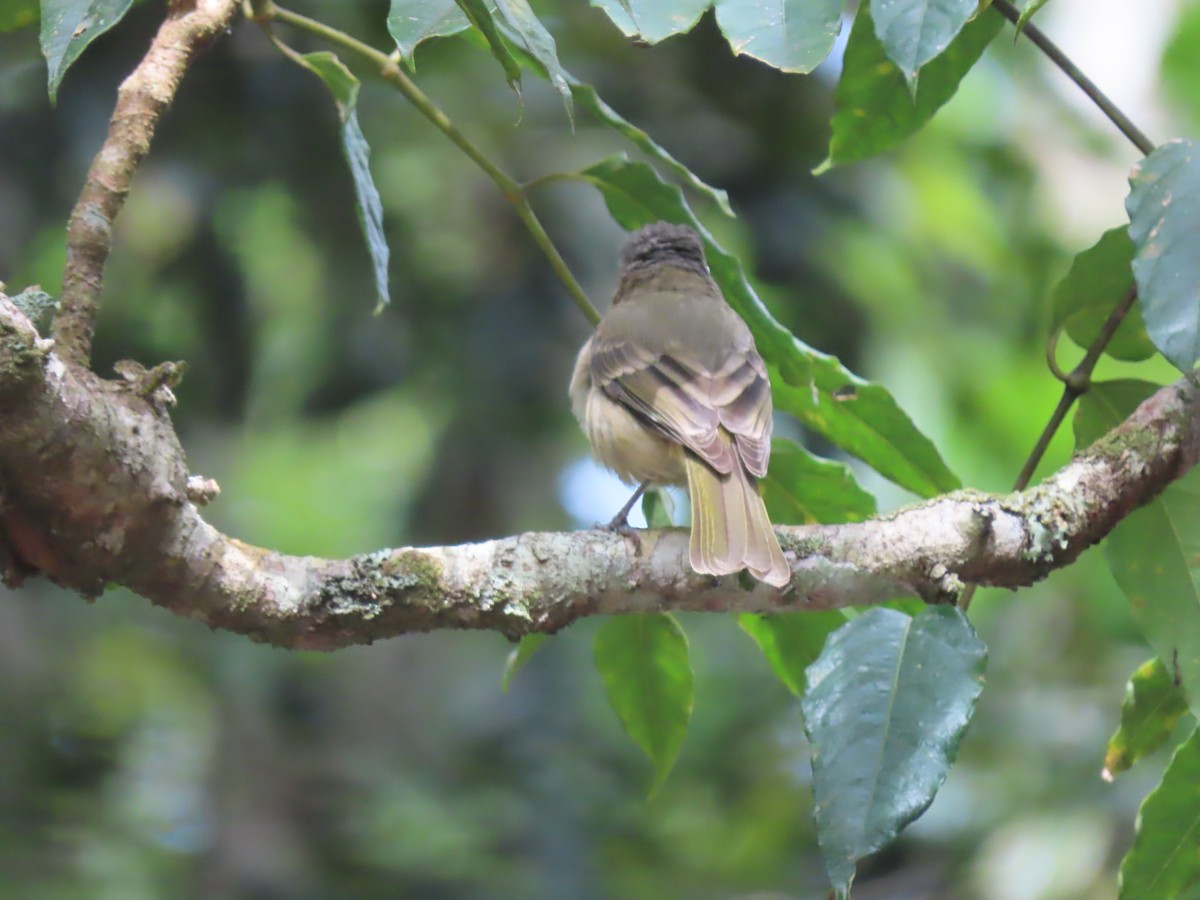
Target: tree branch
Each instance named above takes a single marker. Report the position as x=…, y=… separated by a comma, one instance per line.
x=94, y=491
x=141, y=101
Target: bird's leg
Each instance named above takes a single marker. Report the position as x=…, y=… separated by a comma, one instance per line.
x=620, y=521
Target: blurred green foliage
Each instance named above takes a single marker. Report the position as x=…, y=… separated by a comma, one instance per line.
x=144, y=756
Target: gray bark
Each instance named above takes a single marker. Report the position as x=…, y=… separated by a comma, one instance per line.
x=95, y=491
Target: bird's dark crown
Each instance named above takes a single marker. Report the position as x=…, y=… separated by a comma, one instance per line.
x=663, y=242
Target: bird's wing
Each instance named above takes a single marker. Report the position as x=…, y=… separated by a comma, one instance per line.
x=742, y=393
x=689, y=405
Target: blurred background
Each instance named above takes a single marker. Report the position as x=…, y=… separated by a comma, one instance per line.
x=143, y=756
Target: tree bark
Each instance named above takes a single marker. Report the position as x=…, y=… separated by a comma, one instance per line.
x=95, y=491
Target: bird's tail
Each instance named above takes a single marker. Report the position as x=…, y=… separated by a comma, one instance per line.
x=730, y=527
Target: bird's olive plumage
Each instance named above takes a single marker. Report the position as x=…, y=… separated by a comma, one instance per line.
x=671, y=390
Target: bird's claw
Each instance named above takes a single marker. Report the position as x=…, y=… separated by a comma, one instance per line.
x=619, y=524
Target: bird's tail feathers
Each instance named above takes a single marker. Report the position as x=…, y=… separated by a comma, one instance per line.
x=730, y=527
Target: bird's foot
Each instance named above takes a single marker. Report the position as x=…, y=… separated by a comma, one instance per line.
x=619, y=524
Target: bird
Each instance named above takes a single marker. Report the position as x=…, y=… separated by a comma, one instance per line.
x=670, y=390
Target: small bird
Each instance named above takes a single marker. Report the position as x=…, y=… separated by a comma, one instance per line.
x=670, y=390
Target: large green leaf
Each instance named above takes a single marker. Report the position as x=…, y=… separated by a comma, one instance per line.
x=479, y=15
x=410, y=22
x=1165, y=858
x=1154, y=553
x=653, y=20
x=1151, y=709
x=1094, y=285
x=800, y=489
x=887, y=704
x=857, y=415
x=586, y=96
x=791, y=642
x=68, y=26
x=1164, y=223
x=344, y=87
x=875, y=109
x=915, y=31
x=528, y=31
x=792, y=35
x=643, y=660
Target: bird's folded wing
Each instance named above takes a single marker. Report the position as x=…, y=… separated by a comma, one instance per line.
x=687, y=404
x=742, y=393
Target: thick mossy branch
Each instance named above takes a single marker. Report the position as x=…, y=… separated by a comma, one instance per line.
x=95, y=491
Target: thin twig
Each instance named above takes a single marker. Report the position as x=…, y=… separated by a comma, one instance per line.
x=389, y=70
x=141, y=101
x=1052, y=356
x=1076, y=384
x=1060, y=59
x=1068, y=398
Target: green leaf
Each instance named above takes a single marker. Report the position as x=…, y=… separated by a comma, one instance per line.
x=619, y=12
x=528, y=31
x=792, y=35
x=341, y=81
x=658, y=508
x=875, y=109
x=480, y=16
x=1165, y=858
x=1026, y=14
x=344, y=87
x=1094, y=285
x=519, y=655
x=585, y=95
x=1154, y=553
x=791, y=642
x=1164, y=223
x=1151, y=709
x=801, y=489
x=17, y=14
x=653, y=20
x=857, y=415
x=887, y=704
x=410, y=22
x=643, y=660
x=915, y=31
x=68, y=26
